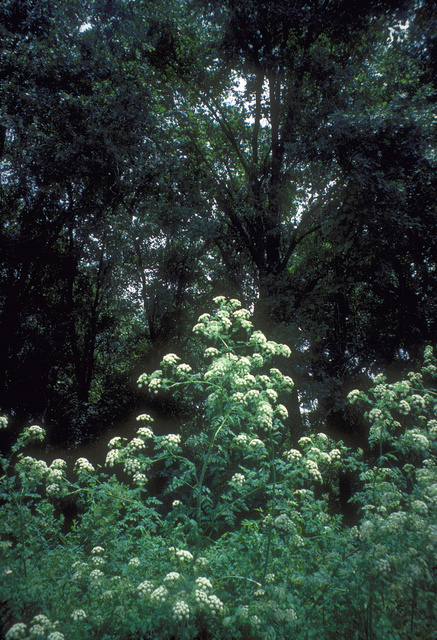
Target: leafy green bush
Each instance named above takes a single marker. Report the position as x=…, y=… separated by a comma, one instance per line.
x=241, y=542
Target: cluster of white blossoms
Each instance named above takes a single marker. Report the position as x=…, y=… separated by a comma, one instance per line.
x=183, y=368
x=145, y=588
x=34, y=432
x=17, y=631
x=283, y=523
x=112, y=457
x=36, y=469
x=159, y=594
x=131, y=466
x=241, y=438
x=256, y=442
x=145, y=432
x=154, y=383
x=172, y=440
x=82, y=465
x=144, y=417
x=79, y=569
x=3, y=422
x=416, y=439
x=170, y=359
x=238, y=479
x=78, y=615
x=203, y=583
x=95, y=576
x=264, y=415
x=313, y=470
x=136, y=444
x=172, y=576
x=404, y=407
x=208, y=601
x=182, y=554
x=134, y=562
x=293, y=454
x=40, y=627
x=181, y=611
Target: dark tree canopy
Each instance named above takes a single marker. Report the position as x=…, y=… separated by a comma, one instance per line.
x=153, y=154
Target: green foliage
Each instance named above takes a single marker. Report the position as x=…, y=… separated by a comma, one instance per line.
x=241, y=542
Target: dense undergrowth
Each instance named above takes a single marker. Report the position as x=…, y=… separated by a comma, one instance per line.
x=243, y=541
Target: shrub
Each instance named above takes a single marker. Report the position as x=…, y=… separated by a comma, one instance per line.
x=241, y=543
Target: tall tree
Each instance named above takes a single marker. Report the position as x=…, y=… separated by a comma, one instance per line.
x=312, y=128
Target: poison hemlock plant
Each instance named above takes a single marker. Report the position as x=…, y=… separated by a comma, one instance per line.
x=241, y=542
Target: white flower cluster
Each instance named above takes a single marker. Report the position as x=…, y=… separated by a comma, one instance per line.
x=37, y=467
x=78, y=615
x=58, y=463
x=134, y=562
x=256, y=442
x=112, y=457
x=207, y=601
x=172, y=576
x=144, y=417
x=293, y=454
x=283, y=523
x=95, y=576
x=183, y=369
x=136, y=444
x=202, y=561
x=82, y=465
x=282, y=411
x=417, y=402
x=40, y=625
x=172, y=440
x=313, y=470
x=145, y=588
x=203, y=583
x=251, y=396
x=265, y=415
x=17, y=631
x=181, y=611
x=170, y=359
x=131, y=466
x=182, y=554
x=139, y=478
x=34, y=432
x=53, y=490
x=145, y=432
x=417, y=440
x=353, y=396
x=78, y=568
x=3, y=422
x=159, y=594
x=404, y=407
x=155, y=384
x=242, y=438
x=238, y=479
x=97, y=561
x=97, y=550
x=211, y=352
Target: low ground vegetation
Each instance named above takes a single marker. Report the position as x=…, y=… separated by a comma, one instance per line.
x=243, y=541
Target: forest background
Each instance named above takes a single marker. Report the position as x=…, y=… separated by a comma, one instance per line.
x=155, y=154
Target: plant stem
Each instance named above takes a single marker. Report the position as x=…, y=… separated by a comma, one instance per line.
x=200, y=484
x=270, y=533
